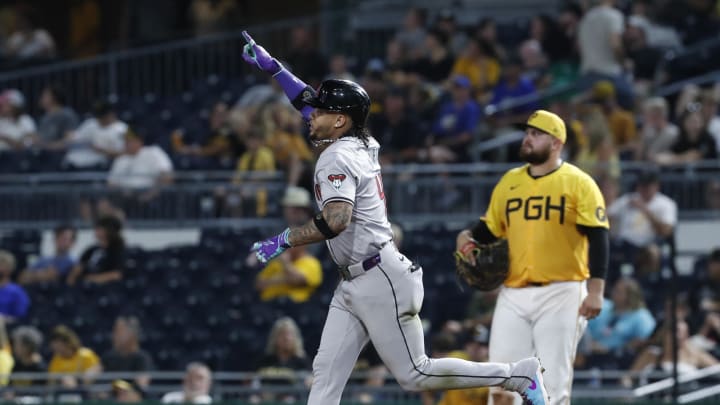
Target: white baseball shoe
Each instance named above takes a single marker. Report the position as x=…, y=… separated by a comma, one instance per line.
x=532, y=388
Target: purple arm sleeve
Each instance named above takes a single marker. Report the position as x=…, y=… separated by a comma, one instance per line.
x=293, y=86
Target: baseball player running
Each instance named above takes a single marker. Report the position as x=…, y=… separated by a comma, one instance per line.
x=381, y=292
x=553, y=217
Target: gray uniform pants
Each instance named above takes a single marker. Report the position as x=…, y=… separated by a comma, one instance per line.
x=382, y=305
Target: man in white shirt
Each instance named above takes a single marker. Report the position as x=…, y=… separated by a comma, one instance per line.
x=642, y=219
x=16, y=127
x=141, y=167
x=97, y=140
x=601, y=49
x=196, y=387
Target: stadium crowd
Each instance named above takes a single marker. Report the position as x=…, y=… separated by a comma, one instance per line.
x=438, y=92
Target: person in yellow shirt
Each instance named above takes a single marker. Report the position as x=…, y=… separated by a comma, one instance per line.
x=621, y=122
x=70, y=357
x=295, y=274
x=553, y=217
x=256, y=162
x=7, y=362
x=478, y=63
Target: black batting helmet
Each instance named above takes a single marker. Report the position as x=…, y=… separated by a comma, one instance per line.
x=342, y=96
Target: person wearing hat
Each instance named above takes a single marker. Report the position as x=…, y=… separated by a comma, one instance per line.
x=456, y=121
x=296, y=273
x=643, y=219
x=553, y=217
x=621, y=121
x=16, y=127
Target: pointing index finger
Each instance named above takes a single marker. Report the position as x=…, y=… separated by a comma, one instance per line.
x=248, y=38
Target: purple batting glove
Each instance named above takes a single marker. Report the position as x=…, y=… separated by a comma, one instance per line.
x=255, y=54
x=268, y=249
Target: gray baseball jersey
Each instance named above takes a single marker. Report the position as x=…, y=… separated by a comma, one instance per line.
x=380, y=302
x=349, y=171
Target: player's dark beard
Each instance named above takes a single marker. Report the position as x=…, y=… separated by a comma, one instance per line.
x=535, y=157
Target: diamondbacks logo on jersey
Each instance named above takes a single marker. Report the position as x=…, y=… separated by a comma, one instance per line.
x=336, y=180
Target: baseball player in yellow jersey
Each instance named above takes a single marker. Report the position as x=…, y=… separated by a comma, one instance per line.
x=553, y=216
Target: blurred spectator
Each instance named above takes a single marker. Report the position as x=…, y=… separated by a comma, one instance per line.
x=642, y=220
x=141, y=168
x=486, y=32
x=7, y=362
x=656, y=35
x=284, y=361
x=14, y=301
x=28, y=43
x=622, y=326
x=455, y=37
x=599, y=157
x=694, y=143
x=708, y=283
x=397, y=129
x=534, y=63
x=126, y=354
x=642, y=59
x=51, y=269
x=16, y=127
x=622, y=122
x=436, y=64
x=196, y=386
x=657, y=134
x=706, y=301
x=544, y=29
x=261, y=94
x=709, y=103
x=513, y=86
x=257, y=161
x=479, y=63
x=411, y=35
x=58, y=120
x=339, y=68
x=295, y=274
x=456, y=122
x=568, y=23
x=215, y=146
x=102, y=262
x=70, y=357
x=211, y=16
x=304, y=58
x=601, y=49
x=660, y=356
x=97, y=140
x=84, y=23
x=124, y=392
x=27, y=344
x=283, y=128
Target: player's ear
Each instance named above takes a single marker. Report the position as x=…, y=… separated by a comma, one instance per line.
x=340, y=120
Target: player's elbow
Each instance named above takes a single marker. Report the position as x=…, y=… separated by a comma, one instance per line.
x=338, y=215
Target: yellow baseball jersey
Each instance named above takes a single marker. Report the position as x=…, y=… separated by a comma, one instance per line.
x=308, y=265
x=539, y=218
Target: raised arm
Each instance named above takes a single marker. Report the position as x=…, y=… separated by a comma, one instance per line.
x=295, y=89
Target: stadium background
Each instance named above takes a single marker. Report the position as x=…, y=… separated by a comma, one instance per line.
x=185, y=274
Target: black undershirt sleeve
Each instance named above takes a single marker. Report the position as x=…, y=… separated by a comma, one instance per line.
x=598, y=250
x=481, y=233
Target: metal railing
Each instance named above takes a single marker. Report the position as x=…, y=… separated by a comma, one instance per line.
x=239, y=386
x=425, y=193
